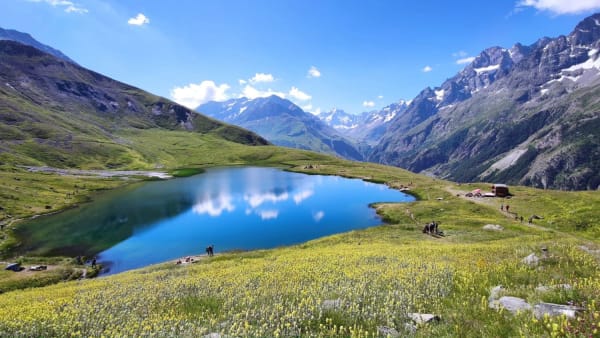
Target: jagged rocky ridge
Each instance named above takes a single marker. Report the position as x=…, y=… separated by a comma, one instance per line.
x=525, y=115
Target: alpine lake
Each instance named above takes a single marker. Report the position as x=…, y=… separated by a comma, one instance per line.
x=231, y=208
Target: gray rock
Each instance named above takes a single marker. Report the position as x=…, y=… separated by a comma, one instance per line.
x=551, y=309
x=421, y=318
x=511, y=304
x=387, y=331
x=330, y=304
x=410, y=328
x=493, y=227
x=531, y=260
x=495, y=293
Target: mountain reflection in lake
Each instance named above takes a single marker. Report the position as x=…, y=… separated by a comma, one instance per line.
x=232, y=208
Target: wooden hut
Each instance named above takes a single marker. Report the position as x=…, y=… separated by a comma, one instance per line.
x=500, y=190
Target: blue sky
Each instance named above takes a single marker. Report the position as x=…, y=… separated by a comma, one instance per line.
x=321, y=54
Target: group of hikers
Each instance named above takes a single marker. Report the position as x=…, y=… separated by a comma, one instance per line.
x=210, y=250
x=432, y=229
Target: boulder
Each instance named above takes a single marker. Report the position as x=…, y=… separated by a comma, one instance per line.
x=493, y=227
x=511, y=304
x=495, y=293
x=387, y=331
x=422, y=318
x=531, y=260
x=551, y=309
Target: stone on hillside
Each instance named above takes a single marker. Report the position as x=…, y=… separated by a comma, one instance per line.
x=493, y=227
x=421, y=318
x=495, y=293
x=531, y=260
x=512, y=304
x=387, y=331
x=330, y=304
x=410, y=328
x=550, y=309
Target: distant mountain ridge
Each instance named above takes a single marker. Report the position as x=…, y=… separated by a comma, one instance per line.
x=26, y=39
x=366, y=128
x=283, y=123
x=525, y=115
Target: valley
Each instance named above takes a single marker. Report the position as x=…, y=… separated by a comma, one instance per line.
x=97, y=173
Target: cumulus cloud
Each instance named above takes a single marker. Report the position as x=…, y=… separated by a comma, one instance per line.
x=139, y=20
x=465, y=60
x=242, y=82
x=299, y=95
x=69, y=6
x=313, y=72
x=368, y=104
x=268, y=214
x=561, y=6
x=317, y=216
x=380, y=97
x=262, y=77
x=194, y=94
x=252, y=93
x=302, y=195
x=308, y=107
x=427, y=69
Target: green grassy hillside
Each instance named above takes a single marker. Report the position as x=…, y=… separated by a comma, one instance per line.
x=349, y=284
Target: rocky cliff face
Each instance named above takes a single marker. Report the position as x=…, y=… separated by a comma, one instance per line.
x=524, y=115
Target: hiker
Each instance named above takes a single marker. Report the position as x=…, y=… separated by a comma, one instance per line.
x=507, y=206
x=434, y=227
x=521, y=218
x=212, y=250
x=94, y=262
x=208, y=251
x=501, y=207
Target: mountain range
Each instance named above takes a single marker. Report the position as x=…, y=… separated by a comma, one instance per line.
x=283, y=123
x=521, y=115
x=524, y=115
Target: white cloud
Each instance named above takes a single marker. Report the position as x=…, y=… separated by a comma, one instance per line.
x=252, y=93
x=465, y=60
x=242, y=82
x=308, y=107
x=318, y=216
x=214, y=206
x=262, y=77
x=268, y=214
x=313, y=72
x=139, y=20
x=316, y=111
x=299, y=95
x=427, y=69
x=194, y=94
x=255, y=200
x=368, y=104
x=302, y=195
x=69, y=6
x=561, y=6
x=380, y=97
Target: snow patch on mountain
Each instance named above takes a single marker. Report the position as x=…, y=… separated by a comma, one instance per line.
x=486, y=69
